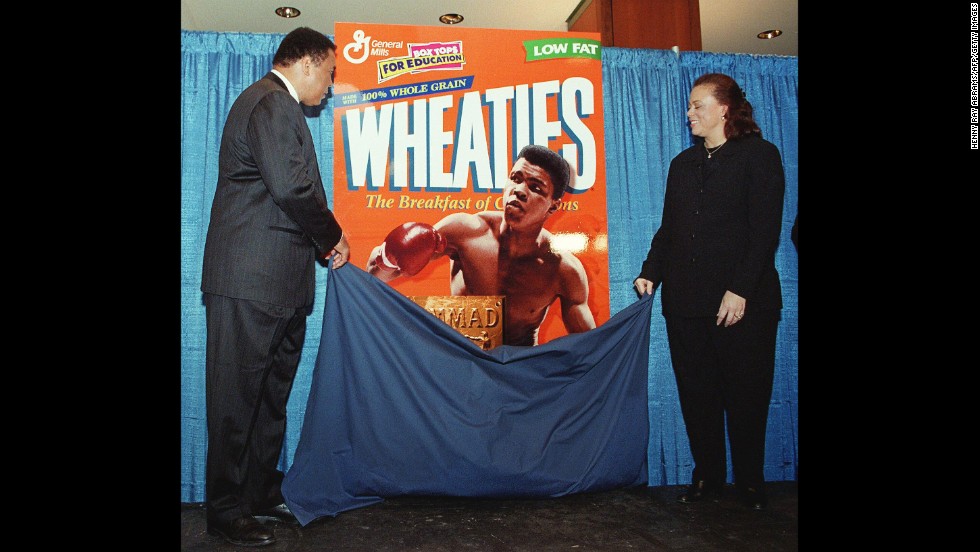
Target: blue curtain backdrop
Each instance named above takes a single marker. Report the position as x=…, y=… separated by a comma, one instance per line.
x=644, y=100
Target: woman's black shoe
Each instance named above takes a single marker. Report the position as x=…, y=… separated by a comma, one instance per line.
x=701, y=490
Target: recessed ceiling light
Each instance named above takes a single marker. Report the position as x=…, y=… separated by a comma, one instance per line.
x=451, y=18
x=772, y=33
x=287, y=12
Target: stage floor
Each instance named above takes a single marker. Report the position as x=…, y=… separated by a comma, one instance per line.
x=641, y=518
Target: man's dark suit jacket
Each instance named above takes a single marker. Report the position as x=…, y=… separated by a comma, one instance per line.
x=719, y=231
x=269, y=220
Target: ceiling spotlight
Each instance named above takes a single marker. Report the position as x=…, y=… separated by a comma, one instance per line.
x=451, y=18
x=287, y=12
x=772, y=33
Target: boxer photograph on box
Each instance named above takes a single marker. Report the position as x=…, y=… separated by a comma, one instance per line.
x=506, y=252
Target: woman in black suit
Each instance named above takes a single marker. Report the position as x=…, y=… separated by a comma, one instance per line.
x=714, y=253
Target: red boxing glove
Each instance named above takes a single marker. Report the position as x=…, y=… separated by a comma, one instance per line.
x=409, y=247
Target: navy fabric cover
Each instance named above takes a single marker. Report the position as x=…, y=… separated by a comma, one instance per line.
x=402, y=404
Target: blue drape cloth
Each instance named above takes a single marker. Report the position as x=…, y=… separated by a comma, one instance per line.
x=645, y=96
x=402, y=404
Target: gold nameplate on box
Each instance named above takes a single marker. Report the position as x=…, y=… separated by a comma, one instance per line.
x=478, y=317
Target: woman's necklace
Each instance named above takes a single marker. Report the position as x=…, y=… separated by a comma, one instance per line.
x=712, y=151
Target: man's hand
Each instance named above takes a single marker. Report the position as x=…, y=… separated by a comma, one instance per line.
x=340, y=252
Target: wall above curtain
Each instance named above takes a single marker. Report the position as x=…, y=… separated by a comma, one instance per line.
x=640, y=23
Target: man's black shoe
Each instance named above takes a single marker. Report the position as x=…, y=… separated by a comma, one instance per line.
x=244, y=531
x=277, y=513
x=753, y=498
x=701, y=490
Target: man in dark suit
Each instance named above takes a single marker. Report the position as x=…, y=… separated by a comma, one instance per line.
x=270, y=224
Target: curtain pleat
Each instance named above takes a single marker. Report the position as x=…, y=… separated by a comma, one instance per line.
x=645, y=95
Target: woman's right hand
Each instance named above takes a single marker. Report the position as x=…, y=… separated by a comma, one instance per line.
x=643, y=286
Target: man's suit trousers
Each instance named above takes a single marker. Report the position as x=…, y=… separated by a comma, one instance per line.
x=253, y=350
